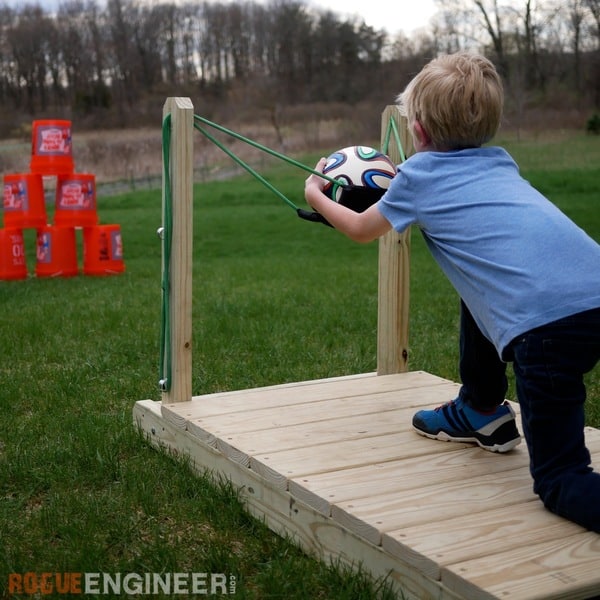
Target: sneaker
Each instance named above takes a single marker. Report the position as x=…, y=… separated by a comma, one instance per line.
x=457, y=422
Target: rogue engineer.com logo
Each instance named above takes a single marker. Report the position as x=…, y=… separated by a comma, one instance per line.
x=135, y=584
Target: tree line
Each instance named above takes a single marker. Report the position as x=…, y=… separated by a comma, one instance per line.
x=114, y=64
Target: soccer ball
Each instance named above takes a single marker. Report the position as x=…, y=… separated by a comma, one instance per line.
x=360, y=166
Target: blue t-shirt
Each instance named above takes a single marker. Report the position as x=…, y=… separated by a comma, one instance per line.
x=515, y=259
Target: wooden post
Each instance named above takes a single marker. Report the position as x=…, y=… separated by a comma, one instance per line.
x=180, y=264
x=394, y=271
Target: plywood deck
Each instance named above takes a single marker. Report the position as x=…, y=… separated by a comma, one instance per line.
x=335, y=464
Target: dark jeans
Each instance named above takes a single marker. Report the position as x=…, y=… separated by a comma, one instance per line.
x=549, y=364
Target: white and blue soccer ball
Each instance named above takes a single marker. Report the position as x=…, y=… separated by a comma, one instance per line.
x=361, y=166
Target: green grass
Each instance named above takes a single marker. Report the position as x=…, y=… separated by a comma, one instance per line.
x=276, y=299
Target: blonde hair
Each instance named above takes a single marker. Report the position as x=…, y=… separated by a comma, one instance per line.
x=457, y=99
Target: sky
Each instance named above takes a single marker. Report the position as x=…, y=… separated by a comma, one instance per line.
x=376, y=13
x=380, y=14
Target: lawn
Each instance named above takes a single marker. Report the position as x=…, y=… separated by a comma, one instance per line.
x=276, y=299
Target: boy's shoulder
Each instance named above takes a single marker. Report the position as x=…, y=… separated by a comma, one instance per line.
x=429, y=174
x=463, y=159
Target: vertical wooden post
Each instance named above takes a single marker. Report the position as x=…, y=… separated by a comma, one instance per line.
x=394, y=271
x=180, y=264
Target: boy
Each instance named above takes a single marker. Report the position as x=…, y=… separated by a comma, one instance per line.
x=527, y=276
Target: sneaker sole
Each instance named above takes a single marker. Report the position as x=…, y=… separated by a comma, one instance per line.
x=480, y=440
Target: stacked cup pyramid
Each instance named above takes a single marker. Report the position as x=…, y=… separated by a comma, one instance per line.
x=75, y=207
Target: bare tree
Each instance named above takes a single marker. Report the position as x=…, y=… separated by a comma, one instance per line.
x=272, y=56
x=490, y=13
x=28, y=41
x=123, y=63
x=576, y=10
x=594, y=8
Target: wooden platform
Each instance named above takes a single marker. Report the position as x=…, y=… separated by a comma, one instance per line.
x=335, y=464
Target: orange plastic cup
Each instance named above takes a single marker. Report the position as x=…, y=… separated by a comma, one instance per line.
x=56, y=252
x=23, y=201
x=51, y=147
x=12, y=254
x=102, y=250
x=75, y=204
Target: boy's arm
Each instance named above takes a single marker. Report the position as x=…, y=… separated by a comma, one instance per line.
x=360, y=227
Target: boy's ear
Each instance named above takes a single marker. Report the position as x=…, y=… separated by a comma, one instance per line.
x=421, y=134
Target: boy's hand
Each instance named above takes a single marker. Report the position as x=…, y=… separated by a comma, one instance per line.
x=314, y=180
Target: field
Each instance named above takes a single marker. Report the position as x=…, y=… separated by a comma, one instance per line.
x=276, y=299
